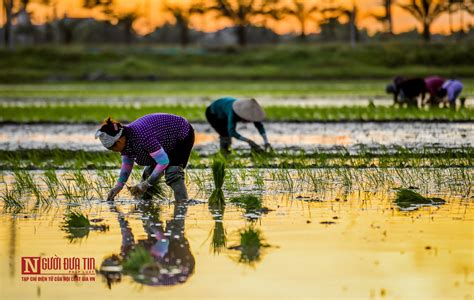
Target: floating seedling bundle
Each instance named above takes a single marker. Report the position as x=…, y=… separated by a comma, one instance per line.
x=410, y=200
x=218, y=174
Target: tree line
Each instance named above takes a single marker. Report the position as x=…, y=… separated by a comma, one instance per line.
x=244, y=13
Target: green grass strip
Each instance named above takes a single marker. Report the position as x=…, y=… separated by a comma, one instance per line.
x=95, y=113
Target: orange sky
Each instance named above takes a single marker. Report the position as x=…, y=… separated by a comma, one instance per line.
x=153, y=15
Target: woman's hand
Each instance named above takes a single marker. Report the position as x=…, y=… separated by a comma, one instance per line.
x=113, y=192
x=138, y=190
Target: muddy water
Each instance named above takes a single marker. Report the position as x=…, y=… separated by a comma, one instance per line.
x=339, y=243
x=308, y=136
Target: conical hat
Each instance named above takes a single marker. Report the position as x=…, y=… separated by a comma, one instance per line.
x=249, y=110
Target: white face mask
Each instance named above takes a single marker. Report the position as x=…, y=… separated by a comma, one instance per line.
x=108, y=140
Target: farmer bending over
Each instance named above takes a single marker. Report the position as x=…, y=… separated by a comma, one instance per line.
x=433, y=84
x=161, y=142
x=223, y=115
x=407, y=90
x=450, y=90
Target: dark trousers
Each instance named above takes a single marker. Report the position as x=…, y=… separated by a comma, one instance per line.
x=219, y=125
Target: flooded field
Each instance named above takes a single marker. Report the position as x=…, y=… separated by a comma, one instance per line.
x=330, y=233
x=370, y=210
x=307, y=136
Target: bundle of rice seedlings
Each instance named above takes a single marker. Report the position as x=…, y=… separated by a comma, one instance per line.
x=219, y=238
x=251, y=204
x=218, y=174
x=407, y=199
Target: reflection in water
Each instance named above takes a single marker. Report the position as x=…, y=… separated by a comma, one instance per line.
x=218, y=233
x=251, y=240
x=12, y=246
x=163, y=258
x=77, y=226
x=251, y=245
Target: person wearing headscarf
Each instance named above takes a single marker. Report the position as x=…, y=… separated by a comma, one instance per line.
x=223, y=114
x=161, y=142
x=451, y=90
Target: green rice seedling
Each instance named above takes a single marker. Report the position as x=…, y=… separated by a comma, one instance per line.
x=218, y=174
x=231, y=181
x=251, y=204
x=82, y=184
x=12, y=199
x=407, y=199
x=24, y=182
x=136, y=259
x=251, y=244
x=51, y=181
x=67, y=190
x=257, y=179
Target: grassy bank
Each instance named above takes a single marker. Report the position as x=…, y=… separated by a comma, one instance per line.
x=76, y=113
x=294, y=62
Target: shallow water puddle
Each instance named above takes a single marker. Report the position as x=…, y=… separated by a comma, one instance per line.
x=339, y=241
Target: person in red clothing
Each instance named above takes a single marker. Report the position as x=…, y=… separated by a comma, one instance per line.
x=433, y=85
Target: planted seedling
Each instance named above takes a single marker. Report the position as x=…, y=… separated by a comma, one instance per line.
x=251, y=204
x=218, y=174
x=11, y=199
x=408, y=200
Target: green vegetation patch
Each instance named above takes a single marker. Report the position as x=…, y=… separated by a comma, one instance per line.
x=94, y=113
x=407, y=200
x=301, y=62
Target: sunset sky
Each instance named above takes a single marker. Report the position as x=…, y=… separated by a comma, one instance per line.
x=153, y=15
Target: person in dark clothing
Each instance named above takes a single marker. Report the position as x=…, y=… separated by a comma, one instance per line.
x=407, y=90
x=223, y=115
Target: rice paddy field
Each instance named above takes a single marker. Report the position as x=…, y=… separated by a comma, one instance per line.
x=357, y=200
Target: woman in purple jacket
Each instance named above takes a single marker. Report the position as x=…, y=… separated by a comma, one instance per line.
x=161, y=142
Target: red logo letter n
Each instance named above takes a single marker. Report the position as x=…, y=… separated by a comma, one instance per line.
x=30, y=265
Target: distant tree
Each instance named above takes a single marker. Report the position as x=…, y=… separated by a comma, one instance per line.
x=303, y=11
x=352, y=15
x=241, y=13
x=50, y=4
x=123, y=19
x=182, y=16
x=8, y=32
x=426, y=12
x=126, y=20
x=460, y=6
x=104, y=6
x=386, y=17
